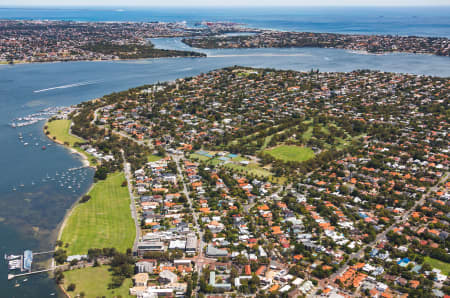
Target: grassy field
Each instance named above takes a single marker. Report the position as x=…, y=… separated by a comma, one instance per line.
x=199, y=157
x=153, y=157
x=252, y=168
x=60, y=130
x=255, y=169
x=443, y=266
x=104, y=221
x=94, y=283
x=306, y=136
x=291, y=153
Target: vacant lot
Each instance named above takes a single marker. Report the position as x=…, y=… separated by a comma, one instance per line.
x=291, y=153
x=93, y=282
x=104, y=221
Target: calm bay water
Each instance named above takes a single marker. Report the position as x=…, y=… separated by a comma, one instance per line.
x=30, y=214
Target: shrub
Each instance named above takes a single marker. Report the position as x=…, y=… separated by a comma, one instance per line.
x=85, y=198
x=71, y=287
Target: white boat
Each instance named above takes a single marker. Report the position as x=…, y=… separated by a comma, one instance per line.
x=14, y=264
x=12, y=257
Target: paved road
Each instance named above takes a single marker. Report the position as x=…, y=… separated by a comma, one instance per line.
x=177, y=159
x=127, y=171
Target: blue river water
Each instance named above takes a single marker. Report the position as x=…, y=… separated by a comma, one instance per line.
x=34, y=189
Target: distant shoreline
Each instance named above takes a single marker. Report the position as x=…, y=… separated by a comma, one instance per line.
x=95, y=60
x=356, y=52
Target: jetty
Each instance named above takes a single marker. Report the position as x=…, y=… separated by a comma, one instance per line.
x=11, y=276
x=43, y=252
x=25, y=262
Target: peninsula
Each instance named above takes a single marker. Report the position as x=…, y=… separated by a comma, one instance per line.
x=246, y=181
x=376, y=44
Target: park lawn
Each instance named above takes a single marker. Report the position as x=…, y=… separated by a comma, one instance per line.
x=60, y=130
x=291, y=153
x=255, y=169
x=93, y=281
x=153, y=157
x=104, y=221
x=307, y=135
x=252, y=168
x=266, y=142
x=239, y=158
x=435, y=263
x=214, y=162
x=199, y=157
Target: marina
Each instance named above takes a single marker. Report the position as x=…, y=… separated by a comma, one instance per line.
x=24, y=264
x=35, y=117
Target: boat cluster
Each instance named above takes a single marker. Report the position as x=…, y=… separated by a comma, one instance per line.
x=70, y=179
x=14, y=261
x=35, y=117
x=34, y=139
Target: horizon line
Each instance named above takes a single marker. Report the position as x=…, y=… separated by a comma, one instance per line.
x=224, y=6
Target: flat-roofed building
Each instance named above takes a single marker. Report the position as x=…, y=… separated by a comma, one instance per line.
x=212, y=251
x=191, y=244
x=177, y=244
x=146, y=266
x=145, y=246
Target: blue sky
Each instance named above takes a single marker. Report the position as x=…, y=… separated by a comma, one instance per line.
x=127, y=3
